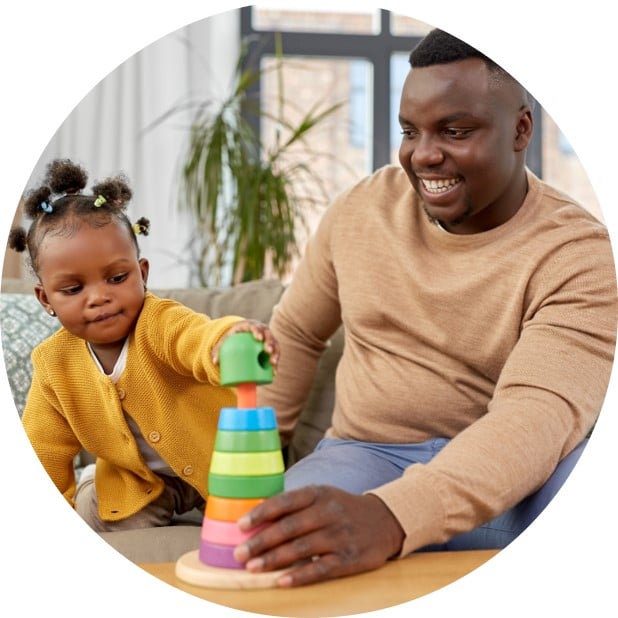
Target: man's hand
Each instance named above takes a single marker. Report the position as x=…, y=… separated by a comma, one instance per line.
x=325, y=531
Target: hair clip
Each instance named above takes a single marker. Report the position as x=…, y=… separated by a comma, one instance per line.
x=99, y=201
x=45, y=207
x=141, y=227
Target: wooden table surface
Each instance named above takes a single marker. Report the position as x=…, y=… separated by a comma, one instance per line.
x=397, y=582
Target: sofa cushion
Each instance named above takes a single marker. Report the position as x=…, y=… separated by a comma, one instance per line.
x=252, y=299
x=165, y=544
x=24, y=324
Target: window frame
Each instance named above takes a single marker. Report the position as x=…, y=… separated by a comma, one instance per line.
x=376, y=49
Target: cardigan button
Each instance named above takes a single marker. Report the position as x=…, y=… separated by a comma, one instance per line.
x=121, y=394
x=187, y=470
x=154, y=436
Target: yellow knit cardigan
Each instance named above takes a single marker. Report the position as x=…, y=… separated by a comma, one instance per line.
x=170, y=387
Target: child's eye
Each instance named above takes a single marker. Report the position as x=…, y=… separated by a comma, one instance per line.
x=74, y=289
x=119, y=278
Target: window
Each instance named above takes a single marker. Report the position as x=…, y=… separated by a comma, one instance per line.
x=363, y=58
x=359, y=38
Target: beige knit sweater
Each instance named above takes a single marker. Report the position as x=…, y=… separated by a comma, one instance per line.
x=502, y=341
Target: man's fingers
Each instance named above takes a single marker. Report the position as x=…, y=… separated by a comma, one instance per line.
x=297, y=550
x=282, y=542
x=318, y=533
x=321, y=568
x=289, y=537
x=276, y=507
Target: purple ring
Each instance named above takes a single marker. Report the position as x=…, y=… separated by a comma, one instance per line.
x=219, y=555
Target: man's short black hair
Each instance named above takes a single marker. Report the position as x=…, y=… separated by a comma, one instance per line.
x=440, y=47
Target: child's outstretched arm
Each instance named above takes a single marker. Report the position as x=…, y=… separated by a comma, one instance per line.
x=260, y=331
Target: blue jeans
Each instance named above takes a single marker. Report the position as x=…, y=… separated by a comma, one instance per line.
x=357, y=467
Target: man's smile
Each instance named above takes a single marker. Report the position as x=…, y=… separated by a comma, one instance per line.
x=440, y=185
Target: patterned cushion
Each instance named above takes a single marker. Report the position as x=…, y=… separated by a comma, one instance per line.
x=24, y=324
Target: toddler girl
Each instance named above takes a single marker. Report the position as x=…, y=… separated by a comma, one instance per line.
x=130, y=377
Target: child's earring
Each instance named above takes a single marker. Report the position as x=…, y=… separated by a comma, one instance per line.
x=52, y=313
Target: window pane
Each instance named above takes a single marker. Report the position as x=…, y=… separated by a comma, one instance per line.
x=339, y=148
x=340, y=19
x=399, y=70
x=402, y=25
x=563, y=169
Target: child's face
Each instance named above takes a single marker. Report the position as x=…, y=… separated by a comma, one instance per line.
x=94, y=282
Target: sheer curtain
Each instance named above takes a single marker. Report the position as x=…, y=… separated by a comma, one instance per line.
x=116, y=128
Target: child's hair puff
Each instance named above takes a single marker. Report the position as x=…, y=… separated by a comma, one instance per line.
x=64, y=176
x=59, y=205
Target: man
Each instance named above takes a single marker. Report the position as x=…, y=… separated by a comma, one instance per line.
x=479, y=307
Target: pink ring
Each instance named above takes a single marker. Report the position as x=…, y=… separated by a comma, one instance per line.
x=225, y=532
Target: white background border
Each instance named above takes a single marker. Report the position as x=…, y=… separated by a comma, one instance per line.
x=53, y=53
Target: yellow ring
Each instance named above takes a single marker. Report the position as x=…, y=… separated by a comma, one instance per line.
x=247, y=464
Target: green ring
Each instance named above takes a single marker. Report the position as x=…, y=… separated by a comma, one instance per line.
x=225, y=486
x=247, y=441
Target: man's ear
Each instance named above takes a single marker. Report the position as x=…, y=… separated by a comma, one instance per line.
x=523, y=129
x=41, y=296
x=144, y=267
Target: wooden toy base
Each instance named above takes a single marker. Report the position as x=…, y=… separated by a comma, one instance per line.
x=191, y=570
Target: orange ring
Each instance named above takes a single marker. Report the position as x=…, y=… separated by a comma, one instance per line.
x=229, y=509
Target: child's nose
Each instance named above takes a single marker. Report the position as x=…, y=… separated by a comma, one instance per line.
x=98, y=294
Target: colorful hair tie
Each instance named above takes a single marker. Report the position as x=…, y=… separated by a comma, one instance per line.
x=141, y=228
x=99, y=201
x=45, y=207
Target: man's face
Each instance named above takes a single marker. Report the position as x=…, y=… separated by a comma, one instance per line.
x=464, y=135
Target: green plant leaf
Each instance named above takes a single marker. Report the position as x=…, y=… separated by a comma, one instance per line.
x=247, y=203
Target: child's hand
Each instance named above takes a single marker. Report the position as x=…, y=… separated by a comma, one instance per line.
x=260, y=331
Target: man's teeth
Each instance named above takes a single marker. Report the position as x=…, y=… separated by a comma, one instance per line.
x=439, y=186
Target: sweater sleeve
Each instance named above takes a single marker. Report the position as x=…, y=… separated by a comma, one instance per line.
x=49, y=432
x=547, y=398
x=183, y=339
x=306, y=317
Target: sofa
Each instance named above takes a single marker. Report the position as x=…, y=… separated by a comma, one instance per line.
x=23, y=324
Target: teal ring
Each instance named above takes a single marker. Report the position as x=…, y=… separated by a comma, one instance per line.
x=247, y=419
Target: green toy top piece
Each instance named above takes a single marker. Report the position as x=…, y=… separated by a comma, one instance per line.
x=242, y=359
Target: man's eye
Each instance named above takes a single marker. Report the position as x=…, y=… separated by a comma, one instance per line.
x=457, y=132
x=408, y=133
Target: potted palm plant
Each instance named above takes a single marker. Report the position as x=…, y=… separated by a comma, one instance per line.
x=247, y=199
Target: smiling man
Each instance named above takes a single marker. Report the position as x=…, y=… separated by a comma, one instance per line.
x=465, y=127
x=479, y=307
